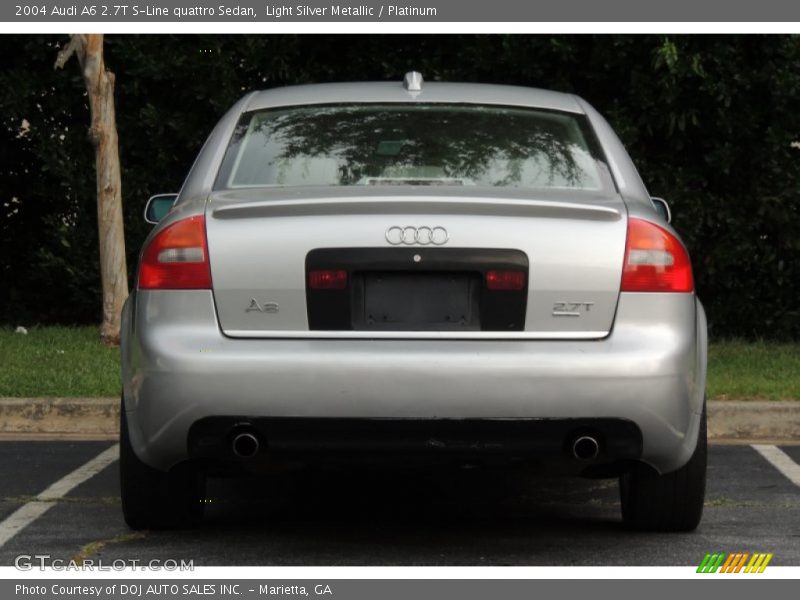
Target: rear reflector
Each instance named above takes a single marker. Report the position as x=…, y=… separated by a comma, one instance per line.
x=335, y=279
x=505, y=280
x=177, y=258
x=655, y=260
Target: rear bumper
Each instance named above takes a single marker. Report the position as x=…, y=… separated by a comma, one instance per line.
x=548, y=443
x=178, y=368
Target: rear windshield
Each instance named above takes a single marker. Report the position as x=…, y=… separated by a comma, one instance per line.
x=420, y=144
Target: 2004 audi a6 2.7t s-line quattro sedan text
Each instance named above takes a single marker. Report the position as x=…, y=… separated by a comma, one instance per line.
x=432, y=274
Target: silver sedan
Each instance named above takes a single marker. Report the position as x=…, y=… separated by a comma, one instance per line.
x=435, y=274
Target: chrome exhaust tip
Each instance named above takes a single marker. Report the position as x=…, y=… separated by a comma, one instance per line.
x=245, y=445
x=585, y=447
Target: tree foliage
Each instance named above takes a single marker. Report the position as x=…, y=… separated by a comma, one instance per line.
x=711, y=122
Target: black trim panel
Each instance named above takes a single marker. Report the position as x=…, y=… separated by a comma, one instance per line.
x=430, y=441
x=342, y=310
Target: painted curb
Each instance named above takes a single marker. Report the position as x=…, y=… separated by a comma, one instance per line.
x=727, y=419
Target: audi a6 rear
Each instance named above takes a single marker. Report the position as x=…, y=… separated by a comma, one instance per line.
x=431, y=274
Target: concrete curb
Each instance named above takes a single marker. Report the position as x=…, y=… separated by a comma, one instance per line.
x=754, y=419
x=58, y=416
x=727, y=419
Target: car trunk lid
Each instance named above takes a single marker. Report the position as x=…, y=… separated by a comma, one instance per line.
x=416, y=262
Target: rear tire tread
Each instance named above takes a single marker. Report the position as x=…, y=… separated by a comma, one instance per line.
x=669, y=502
x=153, y=499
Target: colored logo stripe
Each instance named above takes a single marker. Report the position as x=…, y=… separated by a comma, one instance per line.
x=740, y=563
x=726, y=568
x=758, y=563
x=733, y=563
x=703, y=563
x=711, y=563
x=765, y=563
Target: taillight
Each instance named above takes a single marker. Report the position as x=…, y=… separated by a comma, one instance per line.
x=333, y=279
x=655, y=260
x=177, y=258
x=505, y=280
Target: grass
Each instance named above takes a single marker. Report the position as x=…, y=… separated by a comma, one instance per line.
x=57, y=361
x=754, y=370
x=71, y=362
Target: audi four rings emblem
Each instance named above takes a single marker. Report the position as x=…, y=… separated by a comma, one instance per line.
x=424, y=236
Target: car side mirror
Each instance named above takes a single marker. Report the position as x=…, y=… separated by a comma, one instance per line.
x=158, y=206
x=663, y=208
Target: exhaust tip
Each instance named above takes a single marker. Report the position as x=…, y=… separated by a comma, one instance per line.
x=245, y=445
x=585, y=447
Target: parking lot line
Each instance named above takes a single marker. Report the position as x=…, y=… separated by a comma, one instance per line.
x=28, y=513
x=781, y=461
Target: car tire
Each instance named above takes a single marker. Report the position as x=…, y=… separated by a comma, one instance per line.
x=669, y=502
x=153, y=499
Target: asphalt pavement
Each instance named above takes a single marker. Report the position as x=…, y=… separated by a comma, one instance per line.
x=396, y=517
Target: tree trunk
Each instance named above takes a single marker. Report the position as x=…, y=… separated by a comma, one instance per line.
x=103, y=135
